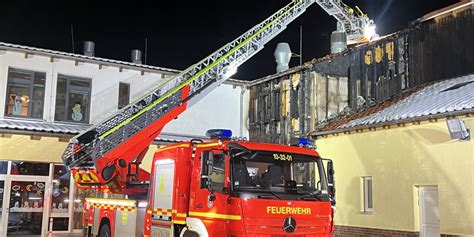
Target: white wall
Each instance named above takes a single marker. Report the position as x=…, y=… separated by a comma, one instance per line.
x=220, y=109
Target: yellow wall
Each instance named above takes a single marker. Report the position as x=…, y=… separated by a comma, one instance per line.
x=47, y=149
x=399, y=159
x=22, y=148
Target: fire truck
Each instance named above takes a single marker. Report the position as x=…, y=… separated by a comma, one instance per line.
x=221, y=187
x=224, y=187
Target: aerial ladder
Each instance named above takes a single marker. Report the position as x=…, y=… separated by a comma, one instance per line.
x=357, y=26
x=107, y=156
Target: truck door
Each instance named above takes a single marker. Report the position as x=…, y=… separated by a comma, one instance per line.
x=210, y=201
x=162, y=198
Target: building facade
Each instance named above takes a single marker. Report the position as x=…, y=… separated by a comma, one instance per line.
x=385, y=169
x=400, y=172
x=46, y=97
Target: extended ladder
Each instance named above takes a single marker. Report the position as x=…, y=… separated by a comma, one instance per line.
x=124, y=137
x=352, y=22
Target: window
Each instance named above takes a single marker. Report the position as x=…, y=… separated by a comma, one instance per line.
x=29, y=168
x=124, y=95
x=3, y=167
x=61, y=180
x=25, y=93
x=72, y=99
x=218, y=172
x=368, y=201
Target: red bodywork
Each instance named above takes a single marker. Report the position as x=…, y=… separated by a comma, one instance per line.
x=132, y=149
x=234, y=216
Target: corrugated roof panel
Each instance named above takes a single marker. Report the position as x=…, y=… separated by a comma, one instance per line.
x=443, y=97
x=41, y=126
x=72, y=129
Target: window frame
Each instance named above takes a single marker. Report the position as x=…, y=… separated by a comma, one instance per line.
x=119, y=96
x=31, y=86
x=218, y=174
x=367, y=194
x=74, y=89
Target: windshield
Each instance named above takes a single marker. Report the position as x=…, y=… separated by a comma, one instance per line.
x=278, y=173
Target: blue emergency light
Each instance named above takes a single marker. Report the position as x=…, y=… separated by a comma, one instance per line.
x=219, y=133
x=302, y=142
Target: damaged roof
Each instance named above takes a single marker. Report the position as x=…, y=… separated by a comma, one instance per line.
x=442, y=98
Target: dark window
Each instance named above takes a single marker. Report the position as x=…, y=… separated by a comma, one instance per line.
x=72, y=99
x=3, y=167
x=368, y=201
x=25, y=93
x=29, y=168
x=218, y=172
x=60, y=224
x=124, y=95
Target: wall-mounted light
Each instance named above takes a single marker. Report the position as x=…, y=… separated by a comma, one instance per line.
x=457, y=129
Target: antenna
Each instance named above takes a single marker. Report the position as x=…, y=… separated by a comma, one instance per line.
x=301, y=45
x=72, y=37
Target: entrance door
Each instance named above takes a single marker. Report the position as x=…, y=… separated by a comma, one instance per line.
x=24, y=206
x=429, y=211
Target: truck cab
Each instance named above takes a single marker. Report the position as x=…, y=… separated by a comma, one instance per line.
x=231, y=187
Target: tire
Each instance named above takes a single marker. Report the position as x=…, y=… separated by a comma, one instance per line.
x=187, y=233
x=104, y=231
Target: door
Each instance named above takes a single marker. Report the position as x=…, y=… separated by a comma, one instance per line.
x=429, y=211
x=24, y=206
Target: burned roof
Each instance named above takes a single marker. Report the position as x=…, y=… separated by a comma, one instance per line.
x=448, y=97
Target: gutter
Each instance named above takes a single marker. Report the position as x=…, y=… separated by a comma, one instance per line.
x=242, y=92
x=396, y=122
x=280, y=74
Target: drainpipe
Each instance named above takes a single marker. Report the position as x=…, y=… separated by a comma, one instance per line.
x=242, y=92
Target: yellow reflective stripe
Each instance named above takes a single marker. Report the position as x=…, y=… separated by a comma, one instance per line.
x=215, y=215
x=199, y=73
x=172, y=147
x=208, y=145
x=181, y=215
x=179, y=222
x=111, y=202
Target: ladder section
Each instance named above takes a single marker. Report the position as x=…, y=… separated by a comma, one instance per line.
x=85, y=149
x=350, y=21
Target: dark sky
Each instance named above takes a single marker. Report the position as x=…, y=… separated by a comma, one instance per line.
x=181, y=33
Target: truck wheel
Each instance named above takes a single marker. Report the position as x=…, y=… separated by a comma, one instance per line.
x=187, y=233
x=104, y=231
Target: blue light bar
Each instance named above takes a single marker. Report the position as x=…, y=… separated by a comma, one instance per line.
x=219, y=133
x=302, y=141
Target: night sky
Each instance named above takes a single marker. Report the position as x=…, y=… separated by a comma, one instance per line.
x=181, y=33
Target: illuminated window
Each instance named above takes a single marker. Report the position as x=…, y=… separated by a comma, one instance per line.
x=72, y=99
x=25, y=93
x=367, y=188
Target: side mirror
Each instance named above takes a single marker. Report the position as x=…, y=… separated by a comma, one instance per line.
x=331, y=183
x=206, y=168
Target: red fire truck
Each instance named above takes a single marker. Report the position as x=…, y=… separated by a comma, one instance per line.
x=224, y=187
x=221, y=187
